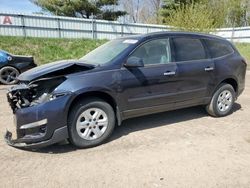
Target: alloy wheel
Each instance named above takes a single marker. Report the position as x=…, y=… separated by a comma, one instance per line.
x=92, y=124
x=224, y=101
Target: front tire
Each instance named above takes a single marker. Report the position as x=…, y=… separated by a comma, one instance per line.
x=222, y=101
x=91, y=122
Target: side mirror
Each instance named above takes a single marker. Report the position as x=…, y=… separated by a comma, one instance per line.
x=133, y=62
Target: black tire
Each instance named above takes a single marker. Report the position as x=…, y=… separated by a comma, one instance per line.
x=8, y=75
x=77, y=111
x=214, y=108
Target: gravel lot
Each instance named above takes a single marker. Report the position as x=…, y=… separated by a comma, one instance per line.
x=183, y=148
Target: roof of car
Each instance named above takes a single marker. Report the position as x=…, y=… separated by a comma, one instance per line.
x=173, y=33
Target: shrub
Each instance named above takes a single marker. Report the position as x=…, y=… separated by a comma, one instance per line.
x=193, y=17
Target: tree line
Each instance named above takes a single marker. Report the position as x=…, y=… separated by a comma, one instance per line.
x=182, y=14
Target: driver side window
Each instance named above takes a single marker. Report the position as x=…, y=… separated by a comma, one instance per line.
x=154, y=52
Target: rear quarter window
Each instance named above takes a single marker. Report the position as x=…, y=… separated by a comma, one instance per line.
x=218, y=48
x=187, y=49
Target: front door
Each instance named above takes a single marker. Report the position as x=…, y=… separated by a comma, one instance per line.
x=153, y=86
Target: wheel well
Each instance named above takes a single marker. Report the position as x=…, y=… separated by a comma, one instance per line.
x=101, y=95
x=232, y=82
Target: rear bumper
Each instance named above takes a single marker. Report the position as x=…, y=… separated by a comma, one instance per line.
x=59, y=135
x=240, y=91
x=241, y=85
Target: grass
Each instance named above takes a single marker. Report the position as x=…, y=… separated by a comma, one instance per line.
x=49, y=50
x=244, y=49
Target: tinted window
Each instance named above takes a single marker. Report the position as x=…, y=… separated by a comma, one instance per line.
x=218, y=49
x=154, y=52
x=187, y=49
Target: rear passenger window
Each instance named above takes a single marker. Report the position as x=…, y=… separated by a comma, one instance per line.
x=217, y=48
x=187, y=49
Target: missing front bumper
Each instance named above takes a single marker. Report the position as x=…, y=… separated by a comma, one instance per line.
x=58, y=136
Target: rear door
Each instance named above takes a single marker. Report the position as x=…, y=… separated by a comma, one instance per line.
x=195, y=70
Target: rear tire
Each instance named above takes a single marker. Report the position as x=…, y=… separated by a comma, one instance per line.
x=222, y=101
x=8, y=75
x=90, y=123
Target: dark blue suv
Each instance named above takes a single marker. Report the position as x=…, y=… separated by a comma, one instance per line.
x=84, y=99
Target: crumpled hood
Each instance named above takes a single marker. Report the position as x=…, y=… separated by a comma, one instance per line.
x=64, y=67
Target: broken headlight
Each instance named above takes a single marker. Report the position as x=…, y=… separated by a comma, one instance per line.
x=44, y=88
x=36, y=92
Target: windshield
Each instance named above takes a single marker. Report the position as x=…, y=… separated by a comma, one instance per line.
x=107, y=51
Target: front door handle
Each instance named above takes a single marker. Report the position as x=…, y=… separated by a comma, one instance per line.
x=169, y=73
x=207, y=69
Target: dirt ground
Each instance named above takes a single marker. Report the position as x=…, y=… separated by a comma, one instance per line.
x=183, y=148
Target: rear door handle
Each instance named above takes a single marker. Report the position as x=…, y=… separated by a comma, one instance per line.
x=207, y=69
x=169, y=73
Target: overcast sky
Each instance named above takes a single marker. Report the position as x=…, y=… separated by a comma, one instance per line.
x=19, y=6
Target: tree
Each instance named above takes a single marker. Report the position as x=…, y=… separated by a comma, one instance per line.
x=169, y=6
x=225, y=13
x=192, y=17
x=237, y=13
x=102, y=9
x=155, y=7
x=232, y=13
x=143, y=11
x=132, y=9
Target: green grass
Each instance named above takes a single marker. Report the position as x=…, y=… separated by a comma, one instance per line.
x=244, y=49
x=49, y=50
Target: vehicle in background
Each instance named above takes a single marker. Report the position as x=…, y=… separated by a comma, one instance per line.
x=84, y=99
x=11, y=66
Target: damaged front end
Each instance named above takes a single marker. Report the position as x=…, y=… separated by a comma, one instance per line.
x=34, y=93
x=40, y=102
x=36, y=107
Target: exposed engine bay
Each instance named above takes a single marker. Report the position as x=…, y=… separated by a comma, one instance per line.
x=36, y=92
x=39, y=90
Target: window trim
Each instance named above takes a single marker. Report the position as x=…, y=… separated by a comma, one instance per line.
x=149, y=40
